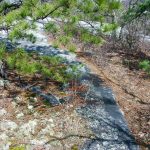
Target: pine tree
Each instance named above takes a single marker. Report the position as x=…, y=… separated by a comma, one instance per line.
x=13, y=17
x=18, y=18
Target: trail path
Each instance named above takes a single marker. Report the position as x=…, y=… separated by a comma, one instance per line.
x=97, y=125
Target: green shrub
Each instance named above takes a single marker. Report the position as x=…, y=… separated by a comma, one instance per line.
x=48, y=66
x=26, y=68
x=52, y=60
x=64, y=40
x=145, y=65
x=51, y=27
x=55, y=44
x=72, y=48
x=11, y=61
x=46, y=72
x=90, y=38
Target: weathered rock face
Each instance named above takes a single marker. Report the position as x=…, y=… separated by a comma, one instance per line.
x=103, y=116
x=40, y=131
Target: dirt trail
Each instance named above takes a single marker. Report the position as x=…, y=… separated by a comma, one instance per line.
x=135, y=109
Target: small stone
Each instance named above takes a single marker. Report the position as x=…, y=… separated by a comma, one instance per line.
x=19, y=115
x=51, y=120
x=30, y=107
x=35, y=99
x=141, y=134
x=105, y=143
x=47, y=130
x=51, y=132
x=52, y=125
x=71, y=106
x=122, y=112
x=36, y=142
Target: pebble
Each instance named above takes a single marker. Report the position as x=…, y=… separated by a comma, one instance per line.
x=141, y=134
x=30, y=107
x=19, y=115
x=52, y=125
x=51, y=120
x=35, y=99
x=71, y=106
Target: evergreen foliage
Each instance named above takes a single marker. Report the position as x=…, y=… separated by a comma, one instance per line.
x=18, y=18
x=13, y=17
x=2, y=50
x=52, y=67
x=145, y=65
x=72, y=48
x=139, y=9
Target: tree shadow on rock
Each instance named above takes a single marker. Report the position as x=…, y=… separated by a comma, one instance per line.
x=105, y=118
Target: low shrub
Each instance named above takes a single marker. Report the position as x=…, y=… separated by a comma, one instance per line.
x=24, y=63
x=145, y=65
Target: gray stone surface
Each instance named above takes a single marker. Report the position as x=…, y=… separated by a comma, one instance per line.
x=104, y=116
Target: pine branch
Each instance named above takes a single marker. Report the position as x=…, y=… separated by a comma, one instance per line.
x=52, y=11
x=9, y=7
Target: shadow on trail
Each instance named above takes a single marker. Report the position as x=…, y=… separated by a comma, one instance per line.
x=105, y=118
